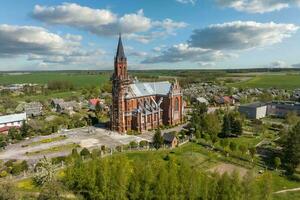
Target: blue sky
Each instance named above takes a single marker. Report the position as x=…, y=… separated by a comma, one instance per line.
x=157, y=34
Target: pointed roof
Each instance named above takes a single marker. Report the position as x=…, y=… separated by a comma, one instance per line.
x=120, y=51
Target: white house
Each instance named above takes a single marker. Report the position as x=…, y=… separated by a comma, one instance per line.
x=14, y=120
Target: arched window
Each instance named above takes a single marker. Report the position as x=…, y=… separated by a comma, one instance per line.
x=177, y=104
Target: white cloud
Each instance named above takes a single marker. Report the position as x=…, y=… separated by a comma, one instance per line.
x=184, y=53
x=279, y=64
x=187, y=1
x=239, y=35
x=74, y=15
x=39, y=44
x=105, y=23
x=258, y=6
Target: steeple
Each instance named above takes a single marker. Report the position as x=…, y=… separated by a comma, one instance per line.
x=120, y=51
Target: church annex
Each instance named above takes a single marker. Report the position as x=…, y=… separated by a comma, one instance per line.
x=142, y=106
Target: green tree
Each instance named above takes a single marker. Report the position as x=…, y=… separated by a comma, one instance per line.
x=277, y=162
x=226, y=128
x=7, y=192
x=233, y=146
x=24, y=130
x=291, y=149
x=51, y=191
x=212, y=125
x=45, y=172
x=252, y=151
x=158, y=139
x=243, y=149
x=85, y=153
x=292, y=118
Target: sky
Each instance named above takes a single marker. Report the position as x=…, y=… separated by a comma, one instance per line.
x=157, y=34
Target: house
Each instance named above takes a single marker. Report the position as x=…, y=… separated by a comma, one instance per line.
x=67, y=107
x=33, y=109
x=93, y=103
x=254, y=110
x=202, y=100
x=170, y=139
x=9, y=121
x=226, y=100
x=55, y=102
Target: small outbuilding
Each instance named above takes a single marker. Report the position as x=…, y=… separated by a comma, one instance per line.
x=170, y=139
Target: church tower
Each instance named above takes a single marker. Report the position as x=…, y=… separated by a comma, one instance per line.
x=120, y=81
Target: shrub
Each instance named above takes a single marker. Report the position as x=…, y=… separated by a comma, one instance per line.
x=85, y=152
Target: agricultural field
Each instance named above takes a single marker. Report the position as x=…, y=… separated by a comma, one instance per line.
x=78, y=79
x=281, y=80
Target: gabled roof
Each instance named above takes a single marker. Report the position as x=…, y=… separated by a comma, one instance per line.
x=148, y=89
x=169, y=137
x=12, y=118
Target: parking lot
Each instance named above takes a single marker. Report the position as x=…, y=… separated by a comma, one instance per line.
x=83, y=137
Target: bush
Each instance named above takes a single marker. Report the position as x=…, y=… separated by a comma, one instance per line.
x=133, y=144
x=85, y=153
x=143, y=143
x=3, y=174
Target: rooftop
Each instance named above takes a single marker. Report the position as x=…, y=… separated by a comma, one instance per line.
x=148, y=89
x=12, y=118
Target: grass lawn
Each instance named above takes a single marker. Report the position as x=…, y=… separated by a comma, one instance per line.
x=247, y=141
x=78, y=79
x=286, y=81
x=48, y=140
x=67, y=147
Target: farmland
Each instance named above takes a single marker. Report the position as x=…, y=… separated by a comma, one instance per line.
x=78, y=79
x=282, y=81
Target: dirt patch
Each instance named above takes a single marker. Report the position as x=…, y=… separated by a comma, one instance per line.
x=229, y=168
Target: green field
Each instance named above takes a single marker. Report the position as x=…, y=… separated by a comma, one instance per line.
x=78, y=79
x=282, y=81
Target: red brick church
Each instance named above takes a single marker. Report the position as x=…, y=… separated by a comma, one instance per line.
x=141, y=106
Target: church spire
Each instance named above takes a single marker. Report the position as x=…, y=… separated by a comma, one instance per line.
x=120, y=51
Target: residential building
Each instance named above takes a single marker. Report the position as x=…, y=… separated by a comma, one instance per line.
x=33, y=109
x=281, y=109
x=9, y=121
x=254, y=110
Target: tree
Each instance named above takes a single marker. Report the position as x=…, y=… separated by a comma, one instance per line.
x=24, y=130
x=292, y=118
x=51, y=191
x=291, y=149
x=224, y=143
x=252, y=151
x=13, y=133
x=158, y=139
x=243, y=149
x=7, y=192
x=212, y=125
x=237, y=127
x=232, y=146
x=2, y=141
x=85, y=153
x=45, y=172
x=226, y=128
x=277, y=162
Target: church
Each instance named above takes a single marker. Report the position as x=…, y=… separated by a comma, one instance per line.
x=141, y=106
